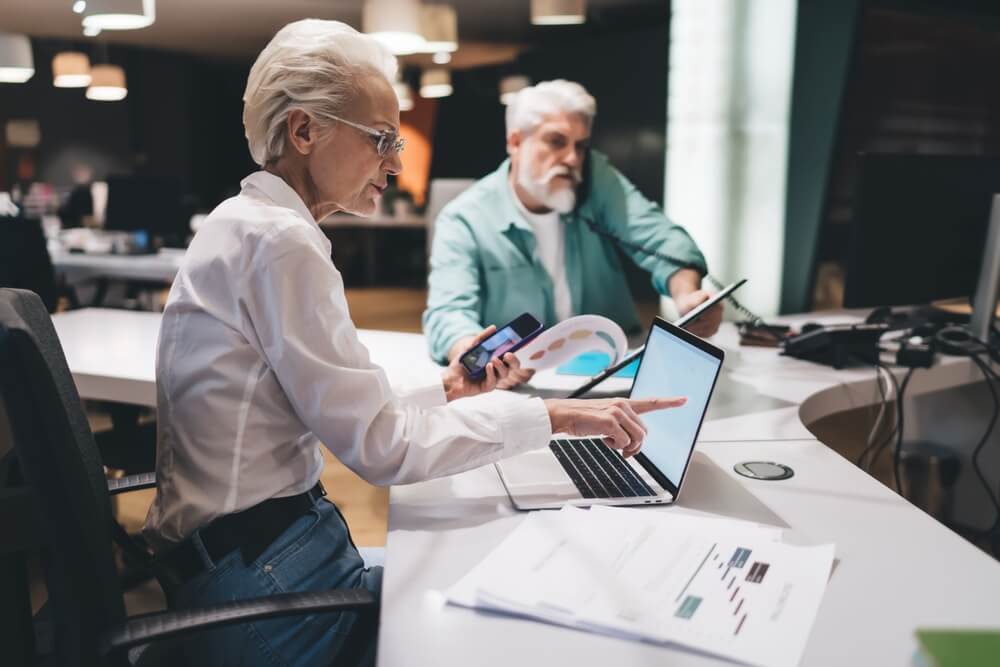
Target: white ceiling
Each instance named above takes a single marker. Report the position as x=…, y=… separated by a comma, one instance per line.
x=240, y=28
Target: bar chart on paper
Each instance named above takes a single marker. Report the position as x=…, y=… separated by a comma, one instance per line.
x=728, y=588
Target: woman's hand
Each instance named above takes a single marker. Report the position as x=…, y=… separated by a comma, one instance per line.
x=503, y=373
x=617, y=419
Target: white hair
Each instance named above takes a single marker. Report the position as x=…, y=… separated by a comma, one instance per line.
x=313, y=65
x=531, y=105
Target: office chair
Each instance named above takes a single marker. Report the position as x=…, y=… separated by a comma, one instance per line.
x=41, y=415
x=440, y=192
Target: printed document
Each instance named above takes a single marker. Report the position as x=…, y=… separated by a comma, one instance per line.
x=725, y=587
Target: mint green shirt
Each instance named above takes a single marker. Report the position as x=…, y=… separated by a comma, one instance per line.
x=484, y=269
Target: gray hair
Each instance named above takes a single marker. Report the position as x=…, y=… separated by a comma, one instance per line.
x=313, y=65
x=531, y=105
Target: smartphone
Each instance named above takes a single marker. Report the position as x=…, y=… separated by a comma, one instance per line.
x=510, y=337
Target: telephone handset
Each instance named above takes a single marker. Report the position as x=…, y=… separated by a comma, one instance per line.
x=583, y=191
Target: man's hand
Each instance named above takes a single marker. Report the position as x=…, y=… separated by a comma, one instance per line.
x=708, y=323
x=500, y=373
x=685, y=289
x=617, y=419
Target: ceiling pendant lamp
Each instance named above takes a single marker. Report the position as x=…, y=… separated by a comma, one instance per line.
x=107, y=83
x=558, y=12
x=439, y=26
x=119, y=14
x=510, y=85
x=395, y=23
x=435, y=83
x=16, y=63
x=71, y=69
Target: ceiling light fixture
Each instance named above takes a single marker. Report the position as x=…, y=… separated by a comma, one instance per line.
x=119, y=14
x=558, y=12
x=435, y=83
x=439, y=26
x=107, y=83
x=79, y=6
x=16, y=63
x=510, y=85
x=71, y=69
x=395, y=23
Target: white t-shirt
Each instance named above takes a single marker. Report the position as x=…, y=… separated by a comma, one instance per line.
x=550, y=244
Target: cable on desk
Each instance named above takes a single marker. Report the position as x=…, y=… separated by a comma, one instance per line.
x=897, y=451
x=990, y=377
x=958, y=341
x=873, y=434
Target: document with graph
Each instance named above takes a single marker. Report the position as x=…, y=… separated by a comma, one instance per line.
x=727, y=588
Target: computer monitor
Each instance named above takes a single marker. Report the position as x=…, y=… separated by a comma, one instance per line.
x=919, y=228
x=988, y=285
x=140, y=203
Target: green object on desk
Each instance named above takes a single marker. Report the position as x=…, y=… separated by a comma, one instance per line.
x=959, y=648
x=590, y=364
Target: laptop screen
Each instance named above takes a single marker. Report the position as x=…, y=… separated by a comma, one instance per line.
x=675, y=363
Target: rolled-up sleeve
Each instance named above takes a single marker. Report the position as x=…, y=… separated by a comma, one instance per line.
x=294, y=299
x=454, y=304
x=627, y=213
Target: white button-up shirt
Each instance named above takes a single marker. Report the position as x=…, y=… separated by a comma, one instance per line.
x=258, y=363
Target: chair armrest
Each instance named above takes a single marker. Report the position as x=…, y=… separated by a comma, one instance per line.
x=144, y=480
x=163, y=625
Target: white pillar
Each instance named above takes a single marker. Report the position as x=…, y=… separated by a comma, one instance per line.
x=729, y=92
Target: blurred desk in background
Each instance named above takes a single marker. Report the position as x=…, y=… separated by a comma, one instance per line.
x=371, y=227
x=77, y=267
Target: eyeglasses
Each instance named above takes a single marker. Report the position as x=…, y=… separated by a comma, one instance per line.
x=386, y=141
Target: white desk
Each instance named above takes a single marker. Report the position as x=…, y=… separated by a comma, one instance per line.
x=897, y=568
x=161, y=267
x=112, y=353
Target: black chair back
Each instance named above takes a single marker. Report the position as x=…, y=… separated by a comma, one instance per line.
x=41, y=413
x=24, y=259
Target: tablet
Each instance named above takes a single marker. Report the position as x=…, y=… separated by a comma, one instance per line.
x=681, y=322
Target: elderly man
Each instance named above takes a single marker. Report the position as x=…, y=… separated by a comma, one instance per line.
x=539, y=234
x=259, y=365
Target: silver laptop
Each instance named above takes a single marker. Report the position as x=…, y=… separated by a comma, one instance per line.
x=584, y=471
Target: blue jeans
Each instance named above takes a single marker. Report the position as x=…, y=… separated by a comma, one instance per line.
x=315, y=553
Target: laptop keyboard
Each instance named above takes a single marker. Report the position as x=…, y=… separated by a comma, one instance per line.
x=598, y=471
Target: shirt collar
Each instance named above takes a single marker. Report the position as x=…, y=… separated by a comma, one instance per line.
x=508, y=216
x=509, y=209
x=277, y=190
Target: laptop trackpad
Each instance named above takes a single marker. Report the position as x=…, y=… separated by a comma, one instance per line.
x=537, y=473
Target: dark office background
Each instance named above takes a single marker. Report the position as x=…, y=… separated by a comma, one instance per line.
x=882, y=76
x=871, y=75
x=182, y=120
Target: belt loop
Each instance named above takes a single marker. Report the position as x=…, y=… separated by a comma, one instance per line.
x=199, y=548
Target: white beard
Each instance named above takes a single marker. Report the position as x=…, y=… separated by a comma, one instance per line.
x=561, y=200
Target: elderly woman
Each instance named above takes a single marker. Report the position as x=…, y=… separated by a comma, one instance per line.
x=259, y=363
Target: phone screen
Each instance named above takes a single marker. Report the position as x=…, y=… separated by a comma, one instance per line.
x=500, y=343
